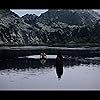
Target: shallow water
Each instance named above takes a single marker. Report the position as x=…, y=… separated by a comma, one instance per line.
x=29, y=74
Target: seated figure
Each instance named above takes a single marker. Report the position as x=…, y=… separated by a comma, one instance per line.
x=43, y=58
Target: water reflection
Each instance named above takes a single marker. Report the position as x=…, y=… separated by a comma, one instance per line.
x=59, y=65
x=26, y=63
x=35, y=75
x=22, y=63
x=43, y=58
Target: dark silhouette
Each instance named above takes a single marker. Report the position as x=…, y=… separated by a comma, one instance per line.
x=59, y=65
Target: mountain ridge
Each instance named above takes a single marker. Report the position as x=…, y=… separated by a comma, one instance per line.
x=52, y=27
x=13, y=29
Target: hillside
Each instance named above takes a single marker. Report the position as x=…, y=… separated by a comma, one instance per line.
x=59, y=26
x=67, y=26
x=13, y=30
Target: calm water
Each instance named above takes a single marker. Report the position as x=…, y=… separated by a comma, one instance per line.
x=30, y=74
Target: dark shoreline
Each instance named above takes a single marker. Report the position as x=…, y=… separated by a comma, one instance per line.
x=19, y=51
x=56, y=45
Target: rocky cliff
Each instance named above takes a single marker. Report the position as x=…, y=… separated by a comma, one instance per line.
x=59, y=26
x=13, y=29
x=67, y=26
x=70, y=17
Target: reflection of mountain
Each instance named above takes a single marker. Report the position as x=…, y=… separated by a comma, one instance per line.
x=59, y=65
x=59, y=71
x=22, y=63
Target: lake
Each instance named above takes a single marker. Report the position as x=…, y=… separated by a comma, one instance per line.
x=28, y=73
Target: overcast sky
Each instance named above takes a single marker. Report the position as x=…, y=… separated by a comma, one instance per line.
x=22, y=12
x=38, y=12
x=98, y=10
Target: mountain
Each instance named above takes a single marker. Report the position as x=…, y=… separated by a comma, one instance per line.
x=13, y=29
x=59, y=26
x=30, y=18
x=70, y=17
x=67, y=26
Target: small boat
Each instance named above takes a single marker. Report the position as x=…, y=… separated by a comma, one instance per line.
x=43, y=58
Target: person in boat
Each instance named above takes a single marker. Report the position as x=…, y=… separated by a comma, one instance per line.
x=43, y=56
x=59, y=65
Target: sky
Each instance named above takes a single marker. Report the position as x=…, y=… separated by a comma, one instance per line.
x=22, y=12
x=38, y=12
x=97, y=10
